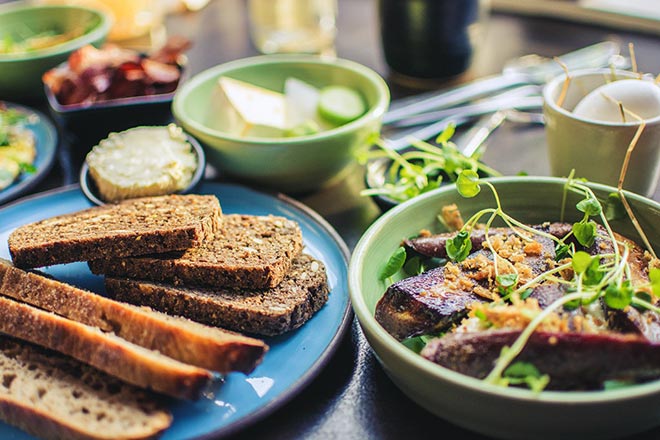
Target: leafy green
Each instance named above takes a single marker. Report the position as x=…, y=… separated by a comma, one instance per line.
x=394, y=263
x=614, y=209
x=618, y=297
x=417, y=343
x=654, y=276
x=526, y=293
x=421, y=168
x=644, y=297
x=562, y=250
x=589, y=206
x=458, y=247
x=581, y=261
x=506, y=283
x=468, y=183
x=27, y=168
x=525, y=373
x=585, y=232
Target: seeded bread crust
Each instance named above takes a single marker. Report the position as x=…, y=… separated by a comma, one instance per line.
x=54, y=397
x=105, y=351
x=178, y=338
x=249, y=252
x=133, y=227
x=269, y=312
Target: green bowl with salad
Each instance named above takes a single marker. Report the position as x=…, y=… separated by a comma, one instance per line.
x=35, y=38
x=292, y=123
x=494, y=407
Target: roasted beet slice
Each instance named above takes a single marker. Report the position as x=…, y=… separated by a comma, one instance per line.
x=572, y=360
x=419, y=305
x=436, y=245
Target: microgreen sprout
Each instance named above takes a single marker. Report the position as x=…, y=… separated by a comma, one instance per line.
x=423, y=167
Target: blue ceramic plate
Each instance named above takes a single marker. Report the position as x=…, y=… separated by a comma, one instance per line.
x=239, y=400
x=45, y=136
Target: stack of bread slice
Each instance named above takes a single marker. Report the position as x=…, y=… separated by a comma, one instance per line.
x=240, y=272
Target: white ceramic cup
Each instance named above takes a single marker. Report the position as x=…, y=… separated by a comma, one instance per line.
x=595, y=149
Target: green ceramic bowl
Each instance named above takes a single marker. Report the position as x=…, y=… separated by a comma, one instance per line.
x=293, y=164
x=471, y=403
x=20, y=74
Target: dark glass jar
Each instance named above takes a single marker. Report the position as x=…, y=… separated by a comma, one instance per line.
x=430, y=39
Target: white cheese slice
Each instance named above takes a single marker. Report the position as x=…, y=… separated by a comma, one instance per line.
x=244, y=109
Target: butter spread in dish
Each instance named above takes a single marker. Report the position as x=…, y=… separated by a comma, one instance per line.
x=141, y=162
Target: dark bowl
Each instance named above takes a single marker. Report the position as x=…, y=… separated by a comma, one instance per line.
x=88, y=185
x=92, y=122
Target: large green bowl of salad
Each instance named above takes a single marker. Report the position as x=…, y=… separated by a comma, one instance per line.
x=520, y=388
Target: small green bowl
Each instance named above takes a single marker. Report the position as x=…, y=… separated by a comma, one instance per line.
x=469, y=402
x=294, y=164
x=20, y=74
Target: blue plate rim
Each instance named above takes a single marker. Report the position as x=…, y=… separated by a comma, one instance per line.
x=320, y=363
x=16, y=189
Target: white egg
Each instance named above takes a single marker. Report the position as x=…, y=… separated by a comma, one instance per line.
x=638, y=96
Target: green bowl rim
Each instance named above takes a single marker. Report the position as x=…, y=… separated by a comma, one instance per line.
x=370, y=325
x=375, y=112
x=99, y=31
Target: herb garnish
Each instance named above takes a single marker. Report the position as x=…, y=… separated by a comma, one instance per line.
x=423, y=168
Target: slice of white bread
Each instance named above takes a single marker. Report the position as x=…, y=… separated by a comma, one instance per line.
x=132, y=227
x=55, y=397
x=105, y=351
x=179, y=338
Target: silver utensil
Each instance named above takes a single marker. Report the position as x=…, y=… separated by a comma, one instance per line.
x=526, y=70
x=459, y=116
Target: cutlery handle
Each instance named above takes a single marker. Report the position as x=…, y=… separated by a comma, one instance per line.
x=458, y=95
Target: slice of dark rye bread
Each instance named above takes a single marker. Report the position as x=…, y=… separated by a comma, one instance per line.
x=178, y=338
x=53, y=396
x=268, y=312
x=249, y=252
x=133, y=227
x=105, y=351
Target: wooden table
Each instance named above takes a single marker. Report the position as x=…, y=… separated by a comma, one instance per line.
x=352, y=397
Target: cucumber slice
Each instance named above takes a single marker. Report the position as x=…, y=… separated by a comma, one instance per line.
x=340, y=105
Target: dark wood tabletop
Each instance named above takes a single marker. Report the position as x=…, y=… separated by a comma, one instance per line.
x=352, y=397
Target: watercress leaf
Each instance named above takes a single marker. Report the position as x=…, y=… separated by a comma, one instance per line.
x=561, y=251
x=654, y=276
x=481, y=315
x=614, y=209
x=644, y=296
x=507, y=280
x=618, y=297
x=413, y=266
x=414, y=343
x=581, y=261
x=458, y=247
x=537, y=384
x=446, y=134
x=572, y=305
x=585, y=233
x=395, y=262
x=522, y=369
x=589, y=206
x=526, y=293
x=468, y=183
x=593, y=275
